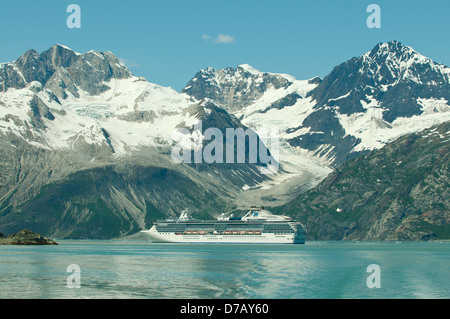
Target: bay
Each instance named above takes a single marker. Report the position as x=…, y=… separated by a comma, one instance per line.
x=141, y=270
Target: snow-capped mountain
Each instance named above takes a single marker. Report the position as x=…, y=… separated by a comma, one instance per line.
x=399, y=192
x=363, y=104
x=67, y=100
x=264, y=101
x=67, y=118
x=86, y=143
x=234, y=88
x=372, y=100
x=89, y=98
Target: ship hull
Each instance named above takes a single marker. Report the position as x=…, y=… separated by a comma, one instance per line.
x=263, y=238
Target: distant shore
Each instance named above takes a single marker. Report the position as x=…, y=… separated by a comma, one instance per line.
x=25, y=237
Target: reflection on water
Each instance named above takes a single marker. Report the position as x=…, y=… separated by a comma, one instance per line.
x=115, y=269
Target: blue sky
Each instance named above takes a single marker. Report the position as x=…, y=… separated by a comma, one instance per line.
x=167, y=41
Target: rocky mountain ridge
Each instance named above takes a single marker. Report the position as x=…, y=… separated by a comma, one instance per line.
x=363, y=104
x=75, y=117
x=87, y=145
x=399, y=192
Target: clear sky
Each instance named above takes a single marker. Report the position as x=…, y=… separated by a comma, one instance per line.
x=168, y=41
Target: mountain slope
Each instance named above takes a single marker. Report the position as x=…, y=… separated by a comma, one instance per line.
x=265, y=102
x=371, y=100
x=400, y=192
x=66, y=117
x=363, y=104
x=69, y=120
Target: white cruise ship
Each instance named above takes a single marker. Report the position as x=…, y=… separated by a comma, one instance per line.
x=257, y=226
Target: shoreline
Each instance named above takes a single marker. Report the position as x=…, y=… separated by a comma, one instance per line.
x=26, y=237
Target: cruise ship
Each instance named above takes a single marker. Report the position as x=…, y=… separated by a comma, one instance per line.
x=257, y=226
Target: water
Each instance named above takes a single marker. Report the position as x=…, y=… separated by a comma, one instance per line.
x=121, y=269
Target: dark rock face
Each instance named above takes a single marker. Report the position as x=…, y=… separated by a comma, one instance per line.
x=60, y=68
x=232, y=88
x=108, y=202
x=393, y=74
x=25, y=237
x=59, y=56
x=326, y=130
x=392, y=77
x=39, y=109
x=288, y=100
x=33, y=67
x=84, y=194
x=10, y=78
x=93, y=68
x=399, y=192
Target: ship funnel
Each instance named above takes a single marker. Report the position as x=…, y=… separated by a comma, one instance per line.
x=185, y=215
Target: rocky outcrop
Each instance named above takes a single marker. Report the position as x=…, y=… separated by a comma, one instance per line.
x=25, y=237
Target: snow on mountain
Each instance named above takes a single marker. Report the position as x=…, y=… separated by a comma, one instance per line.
x=285, y=108
x=233, y=88
x=119, y=109
x=265, y=101
x=91, y=103
x=390, y=91
x=89, y=142
x=134, y=112
x=363, y=104
x=93, y=112
x=87, y=148
x=392, y=62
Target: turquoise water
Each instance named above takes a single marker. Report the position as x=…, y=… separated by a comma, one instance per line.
x=124, y=269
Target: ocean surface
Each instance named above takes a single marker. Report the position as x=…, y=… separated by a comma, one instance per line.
x=137, y=269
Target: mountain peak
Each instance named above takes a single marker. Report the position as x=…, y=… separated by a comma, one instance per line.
x=62, y=46
x=249, y=69
x=60, y=56
x=392, y=75
x=30, y=54
x=393, y=49
x=393, y=45
x=392, y=62
x=96, y=67
x=233, y=88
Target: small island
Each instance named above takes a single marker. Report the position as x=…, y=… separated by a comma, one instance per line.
x=25, y=237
